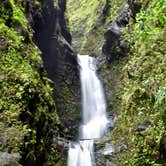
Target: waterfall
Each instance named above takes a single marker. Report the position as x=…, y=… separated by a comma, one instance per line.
x=94, y=117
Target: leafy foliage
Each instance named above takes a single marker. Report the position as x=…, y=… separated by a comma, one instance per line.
x=143, y=93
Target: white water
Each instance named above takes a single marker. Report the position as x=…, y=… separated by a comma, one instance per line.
x=94, y=114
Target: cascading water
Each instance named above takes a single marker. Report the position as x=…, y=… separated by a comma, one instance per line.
x=94, y=114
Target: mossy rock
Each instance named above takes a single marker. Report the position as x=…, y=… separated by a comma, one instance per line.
x=88, y=21
x=27, y=108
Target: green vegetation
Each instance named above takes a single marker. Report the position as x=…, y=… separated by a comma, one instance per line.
x=26, y=103
x=28, y=117
x=83, y=16
x=114, y=9
x=87, y=24
x=142, y=91
x=55, y=3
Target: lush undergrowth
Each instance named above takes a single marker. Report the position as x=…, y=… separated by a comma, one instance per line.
x=27, y=111
x=142, y=120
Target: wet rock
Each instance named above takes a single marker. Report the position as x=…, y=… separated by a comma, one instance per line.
x=62, y=143
x=109, y=150
x=9, y=159
x=109, y=163
x=124, y=16
x=113, y=32
x=60, y=60
x=111, y=122
x=2, y=76
x=106, y=155
x=18, y=28
x=100, y=143
x=3, y=43
x=120, y=148
x=105, y=152
x=142, y=126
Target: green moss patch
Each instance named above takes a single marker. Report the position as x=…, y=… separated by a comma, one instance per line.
x=27, y=110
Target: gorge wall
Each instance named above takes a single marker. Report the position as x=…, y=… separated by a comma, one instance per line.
x=53, y=39
x=28, y=116
x=39, y=84
x=32, y=100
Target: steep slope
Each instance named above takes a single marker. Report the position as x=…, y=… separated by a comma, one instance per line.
x=28, y=118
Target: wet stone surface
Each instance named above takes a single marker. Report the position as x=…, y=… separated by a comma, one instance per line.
x=3, y=42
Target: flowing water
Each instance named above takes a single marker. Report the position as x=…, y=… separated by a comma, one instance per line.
x=94, y=114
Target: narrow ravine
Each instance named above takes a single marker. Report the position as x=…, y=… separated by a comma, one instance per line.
x=94, y=116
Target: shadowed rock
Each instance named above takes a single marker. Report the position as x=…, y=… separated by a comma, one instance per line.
x=7, y=159
x=114, y=45
x=54, y=41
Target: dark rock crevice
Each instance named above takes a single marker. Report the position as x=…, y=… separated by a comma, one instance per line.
x=115, y=45
x=52, y=37
x=54, y=41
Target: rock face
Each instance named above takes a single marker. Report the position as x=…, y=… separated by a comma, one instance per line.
x=53, y=39
x=114, y=45
x=9, y=159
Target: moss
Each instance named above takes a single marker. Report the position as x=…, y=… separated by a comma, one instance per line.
x=84, y=11
x=88, y=21
x=27, y=109
x=142, y=89
x=83, y=15
x=114, y=9
x=91, y=45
